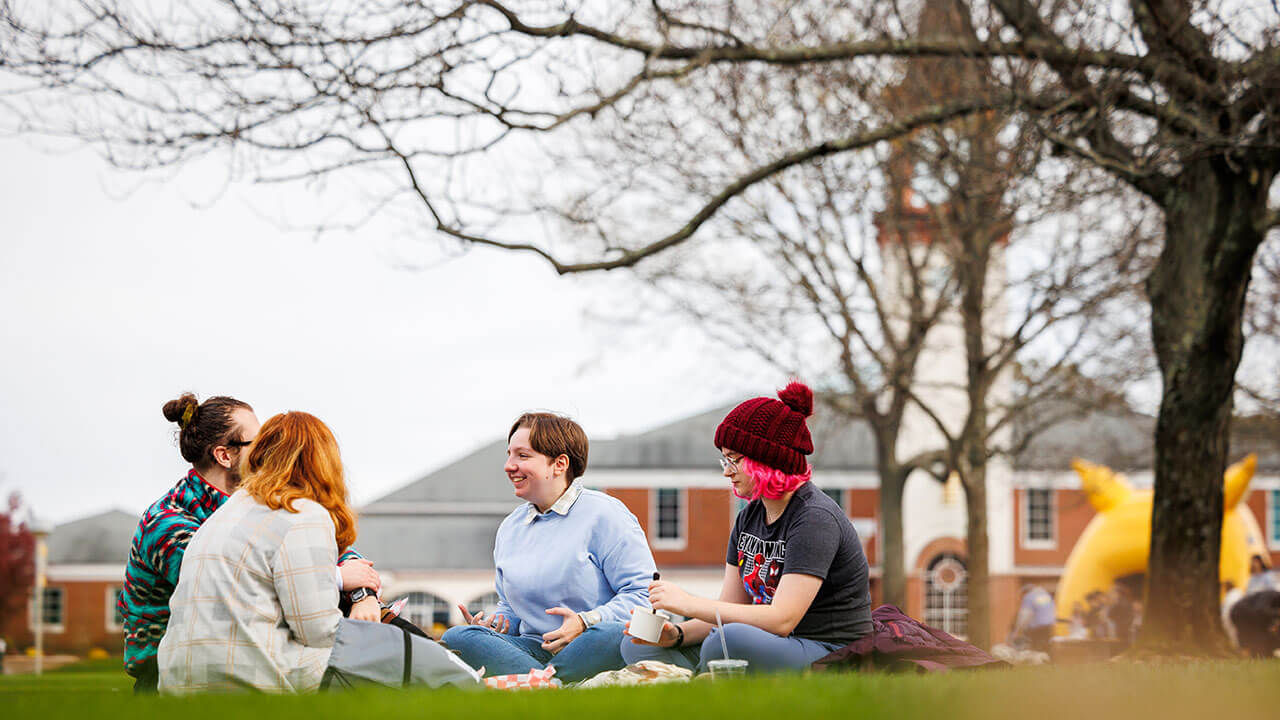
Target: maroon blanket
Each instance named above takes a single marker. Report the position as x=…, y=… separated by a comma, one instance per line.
x=900, y=642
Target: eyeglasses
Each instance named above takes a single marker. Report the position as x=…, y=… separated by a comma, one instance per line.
x=237, y=443
x=730, y=463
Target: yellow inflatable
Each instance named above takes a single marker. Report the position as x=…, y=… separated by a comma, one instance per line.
x=1117, y=540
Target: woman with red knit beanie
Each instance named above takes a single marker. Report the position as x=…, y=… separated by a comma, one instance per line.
x=795, y=580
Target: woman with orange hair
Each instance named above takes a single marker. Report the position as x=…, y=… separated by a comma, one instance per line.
x=256, y=604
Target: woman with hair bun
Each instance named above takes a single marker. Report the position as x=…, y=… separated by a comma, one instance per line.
x=257, y=602
x=796, y=580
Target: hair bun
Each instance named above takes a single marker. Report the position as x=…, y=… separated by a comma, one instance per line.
x=798, y=397
x=185, y=405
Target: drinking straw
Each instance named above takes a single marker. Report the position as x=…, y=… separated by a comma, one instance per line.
x=723, y=645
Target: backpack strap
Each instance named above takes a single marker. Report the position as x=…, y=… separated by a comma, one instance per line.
x=408, y=658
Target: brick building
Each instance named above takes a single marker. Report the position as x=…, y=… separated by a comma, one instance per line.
x=85, y=574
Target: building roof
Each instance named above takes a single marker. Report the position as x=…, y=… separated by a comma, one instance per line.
x=95, y=540
x=1119, y=438
x=688, y=443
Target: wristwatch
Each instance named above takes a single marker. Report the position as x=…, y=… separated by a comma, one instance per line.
x=359, y=594
x=589, y=618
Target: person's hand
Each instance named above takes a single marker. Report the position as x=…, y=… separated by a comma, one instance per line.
x=668, y=596
x=666, y=639
x=497, y=623
x=570, y=628
x=359, y=573
x=367, y=609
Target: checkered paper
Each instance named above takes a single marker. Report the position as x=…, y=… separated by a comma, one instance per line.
x=521, y=681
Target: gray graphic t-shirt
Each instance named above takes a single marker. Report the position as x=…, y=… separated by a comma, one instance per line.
x=812, y=537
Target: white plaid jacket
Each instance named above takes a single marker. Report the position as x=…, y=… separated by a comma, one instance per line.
x=256, y=603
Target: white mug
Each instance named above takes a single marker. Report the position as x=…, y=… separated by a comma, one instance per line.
x=646, y=624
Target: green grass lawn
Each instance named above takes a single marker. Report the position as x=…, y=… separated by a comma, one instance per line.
x=1206, y=691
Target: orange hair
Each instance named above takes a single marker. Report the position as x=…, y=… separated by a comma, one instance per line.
x=296, y=456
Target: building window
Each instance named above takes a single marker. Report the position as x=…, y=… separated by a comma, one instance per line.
x=426, y=611
x=866, y=529
x=52, y=610
x=487, y=602
x=115, y=618
x=837, y=494
x=1037, y=518
x=667, y=529
x=946, y=595
x=1273, y=518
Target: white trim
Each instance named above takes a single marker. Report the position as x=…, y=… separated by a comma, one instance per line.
x=112, y=592
x=439, y=508
x=86, y=573
x=62, y=614
x=1265, y=482
x=711, y=477
x=677, y=543
x=1268, y=496
x=1069, y=480
x=1038, y=570
x=1024, y=531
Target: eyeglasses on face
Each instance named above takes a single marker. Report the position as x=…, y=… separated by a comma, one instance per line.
x=728, y=463
x=237, y=443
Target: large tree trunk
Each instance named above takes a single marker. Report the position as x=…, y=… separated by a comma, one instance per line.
x=978, y=565
x=889, y=540
x=1197, y=291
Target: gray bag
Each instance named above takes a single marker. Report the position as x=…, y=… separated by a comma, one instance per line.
x=373, y=653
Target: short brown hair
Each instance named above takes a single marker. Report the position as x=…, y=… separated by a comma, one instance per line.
x=554, y=435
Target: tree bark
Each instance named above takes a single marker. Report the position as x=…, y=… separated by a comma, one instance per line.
x=978, y=564
x=889, y=539
x=1197, y=292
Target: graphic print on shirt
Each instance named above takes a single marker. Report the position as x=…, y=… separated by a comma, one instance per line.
x=760, y=566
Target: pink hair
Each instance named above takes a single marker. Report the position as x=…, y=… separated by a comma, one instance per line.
x=771, y=483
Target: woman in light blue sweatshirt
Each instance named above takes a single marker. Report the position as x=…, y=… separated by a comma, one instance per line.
x=571, y=564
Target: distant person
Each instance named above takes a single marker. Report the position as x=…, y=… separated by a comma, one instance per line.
x=1257, y=620
x=1121, y=615
x=1261, y=577
x=795, y=578
x=1095, y=616
x=1036, y=617
x=211, y=436
x=1230, y=596
x=1078, y=625
x=571, y=564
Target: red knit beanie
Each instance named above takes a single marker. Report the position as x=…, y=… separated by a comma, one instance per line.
x=770, y=432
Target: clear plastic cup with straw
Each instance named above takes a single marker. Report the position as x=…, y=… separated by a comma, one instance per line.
x=728, y=667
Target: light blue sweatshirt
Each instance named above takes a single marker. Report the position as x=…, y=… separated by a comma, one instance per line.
x=586, y=552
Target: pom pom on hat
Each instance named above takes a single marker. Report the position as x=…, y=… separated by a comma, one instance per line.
x=771, y=432
x=798, y=397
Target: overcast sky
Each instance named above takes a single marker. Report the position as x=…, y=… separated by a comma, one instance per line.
x=118, y=293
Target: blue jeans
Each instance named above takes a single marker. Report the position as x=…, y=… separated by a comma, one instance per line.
x=763, y=651
x=591, y=653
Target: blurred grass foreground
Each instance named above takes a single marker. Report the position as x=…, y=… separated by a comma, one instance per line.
x=1206, y=691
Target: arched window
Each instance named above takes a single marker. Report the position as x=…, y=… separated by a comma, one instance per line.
x=946, y=595
x=426, y=610
x=487, y=602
